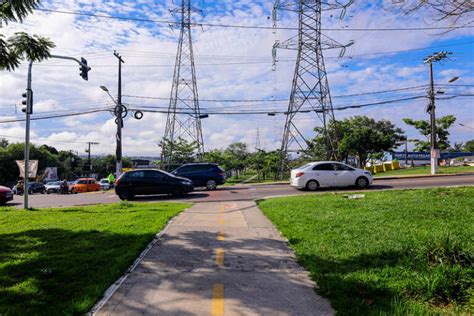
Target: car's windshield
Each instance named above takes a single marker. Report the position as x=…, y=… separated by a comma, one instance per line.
x=167, y=173
x=104, y=181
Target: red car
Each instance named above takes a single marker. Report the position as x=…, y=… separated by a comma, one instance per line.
x=5, y=195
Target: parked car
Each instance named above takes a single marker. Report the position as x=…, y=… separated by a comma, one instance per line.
x=329, y=174
x=5, y=195
x=33, y=187
x=85, y=185
x=150, y=181
x=208, y=175
x=53, y=187
x=104, y=184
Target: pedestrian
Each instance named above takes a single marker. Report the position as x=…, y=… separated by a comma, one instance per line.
x=111, y=179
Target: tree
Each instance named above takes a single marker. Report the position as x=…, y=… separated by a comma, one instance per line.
x=180, y=151
x=437, y=10
x=237, y=154
x=360, y=136
x=3, y=143
x=20, y=46
x=469, y=146
x=457, y=147
x=424, y=127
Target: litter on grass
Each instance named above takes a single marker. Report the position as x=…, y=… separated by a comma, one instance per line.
x=354, y=196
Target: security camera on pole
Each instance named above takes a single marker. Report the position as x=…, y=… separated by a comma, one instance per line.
x=431, y=109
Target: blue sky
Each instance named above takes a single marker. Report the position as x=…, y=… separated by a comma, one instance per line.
x=231, y=63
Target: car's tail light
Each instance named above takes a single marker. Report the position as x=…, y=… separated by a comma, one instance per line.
x=299, y=174
x=221, y=174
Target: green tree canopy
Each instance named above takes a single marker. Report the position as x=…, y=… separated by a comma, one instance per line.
x=424, y=127
x=469, y=146
x=20, y=46
x=359, y=136
x=180, y=151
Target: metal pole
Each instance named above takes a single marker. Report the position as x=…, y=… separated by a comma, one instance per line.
x=119, y=120
x=434, y=154
x=406, y=150
x=29, y=106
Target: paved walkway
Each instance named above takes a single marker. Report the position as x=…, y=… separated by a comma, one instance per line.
x=215, y=259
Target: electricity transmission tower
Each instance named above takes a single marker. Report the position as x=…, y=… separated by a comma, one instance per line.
x=184, y=117
x=310, y=87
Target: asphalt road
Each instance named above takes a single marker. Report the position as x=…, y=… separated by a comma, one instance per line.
x=236, y=193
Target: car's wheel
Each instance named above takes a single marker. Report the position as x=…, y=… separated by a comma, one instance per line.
x=125, y=195
x=49, y=192
x=211, y=185
x=362, y=182
x=43, y=192
x=30, y=191
x=312, y=185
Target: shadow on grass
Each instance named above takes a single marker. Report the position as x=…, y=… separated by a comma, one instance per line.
x=56, y=271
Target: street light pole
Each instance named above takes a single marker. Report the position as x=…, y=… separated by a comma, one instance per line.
x=434, y=153
x=119, y=118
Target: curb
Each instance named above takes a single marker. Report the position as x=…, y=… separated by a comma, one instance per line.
x=415, y=176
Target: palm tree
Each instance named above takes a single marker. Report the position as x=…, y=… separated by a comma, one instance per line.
x=21, y=45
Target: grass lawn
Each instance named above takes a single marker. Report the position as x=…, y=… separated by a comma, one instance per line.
x=60, y=261
x=425, y=170
x=395, y=252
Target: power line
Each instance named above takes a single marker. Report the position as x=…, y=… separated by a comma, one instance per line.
x=49, y=141
x=56, y=116
x=281, y=100
x=256, y=27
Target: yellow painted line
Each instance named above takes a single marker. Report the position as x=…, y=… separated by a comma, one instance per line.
x=217, y=306
x=220, y=256
x=220, y=236
x=221, y=221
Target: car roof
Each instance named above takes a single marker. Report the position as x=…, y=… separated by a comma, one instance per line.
x=199, y=163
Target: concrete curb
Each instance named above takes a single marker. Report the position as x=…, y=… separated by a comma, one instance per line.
x=415, y=176
x=114, y=287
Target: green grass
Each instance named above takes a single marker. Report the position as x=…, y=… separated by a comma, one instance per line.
x=395, y=252
x=60, y=261
x=425, y=170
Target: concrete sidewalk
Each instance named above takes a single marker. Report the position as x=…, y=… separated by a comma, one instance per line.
x=216, y=259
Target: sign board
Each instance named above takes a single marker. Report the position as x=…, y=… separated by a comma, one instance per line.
x=414, y=155
x=51, y=174
x=435, y=153
x=32, y=168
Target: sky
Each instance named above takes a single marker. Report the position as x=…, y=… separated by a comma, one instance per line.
x=231, y=64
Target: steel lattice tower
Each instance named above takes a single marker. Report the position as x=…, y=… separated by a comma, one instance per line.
x=184, y=117
x=310, y=87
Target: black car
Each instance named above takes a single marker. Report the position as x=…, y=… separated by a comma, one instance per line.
x=208, y=175
x=148, y=182
x=33, y=187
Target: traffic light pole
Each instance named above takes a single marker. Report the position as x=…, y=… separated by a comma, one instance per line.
x=29, y=110
x=29, y=107
x=434, y=153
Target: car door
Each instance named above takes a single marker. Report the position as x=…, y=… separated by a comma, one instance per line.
x=324, y=173
x=344, y=175
x=154, y=182
x=136, y=183
x=187, y=172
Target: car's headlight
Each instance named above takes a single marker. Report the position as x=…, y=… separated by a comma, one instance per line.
x=186, y=182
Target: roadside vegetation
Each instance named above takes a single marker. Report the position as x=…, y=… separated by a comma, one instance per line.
x=425, y=170
x=396, y=252
x=60, y=261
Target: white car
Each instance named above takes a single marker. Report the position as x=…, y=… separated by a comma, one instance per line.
x=53, y=187
x=323, y=174
x=104, y=184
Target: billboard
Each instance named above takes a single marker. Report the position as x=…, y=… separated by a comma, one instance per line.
x=32, y=168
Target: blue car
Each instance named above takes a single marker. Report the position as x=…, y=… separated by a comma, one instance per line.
x=208, y=175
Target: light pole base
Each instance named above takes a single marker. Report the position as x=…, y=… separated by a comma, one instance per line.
x=434, y=165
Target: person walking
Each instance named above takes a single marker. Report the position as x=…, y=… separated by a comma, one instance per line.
x=111, y=179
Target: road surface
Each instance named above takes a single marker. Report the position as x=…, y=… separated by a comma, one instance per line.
x=237, y=193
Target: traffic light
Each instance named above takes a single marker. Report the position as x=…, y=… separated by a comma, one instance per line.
x=84, y=69
x=27, y=102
